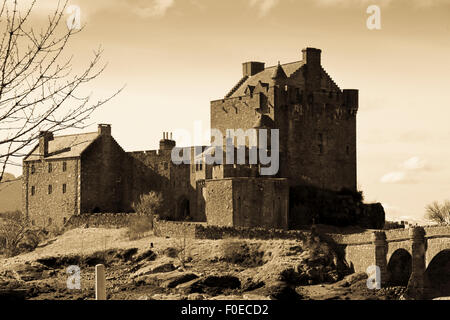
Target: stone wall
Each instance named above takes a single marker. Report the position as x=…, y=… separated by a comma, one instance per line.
x=100, y=220
x=175, y=229
x=197, y=230
x=46, y=209
x=103, y=179
x=247, y=202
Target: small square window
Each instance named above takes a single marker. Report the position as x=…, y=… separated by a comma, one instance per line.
x=320, y=149
x=50, y=189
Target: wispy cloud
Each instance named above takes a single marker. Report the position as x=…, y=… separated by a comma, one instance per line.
x=393, y=177
x=154, y=8
x=263, y=6
x=414, y=163
x=408, y=172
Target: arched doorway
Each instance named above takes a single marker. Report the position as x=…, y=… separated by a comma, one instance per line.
x=399, y=268
x=437, y=275
x=183, y=208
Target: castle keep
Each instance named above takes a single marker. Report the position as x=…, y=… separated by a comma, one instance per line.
x=89, y=173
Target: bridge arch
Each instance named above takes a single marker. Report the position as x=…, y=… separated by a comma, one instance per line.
x=437, y=275
x=399, y=267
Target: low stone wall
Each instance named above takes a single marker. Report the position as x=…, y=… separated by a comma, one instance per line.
x=200, y=230
x=174, y=229
x=216, y=232
x=99, y=220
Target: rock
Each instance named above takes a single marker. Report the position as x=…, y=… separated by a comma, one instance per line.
x=282, y=291
x=177, y=280
x=165, y=267
x=161, y=296
x=125, y=254
x=148, y=255
x=195, y=296
x=29, y=272
x=351, y=279
x=189, y=287
x=251, y=285
x=255, y=297
x=160, y=268
x=225, y=282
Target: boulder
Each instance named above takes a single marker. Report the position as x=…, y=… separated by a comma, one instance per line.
x=177, y=280
x=149, y=269
x=148, y=255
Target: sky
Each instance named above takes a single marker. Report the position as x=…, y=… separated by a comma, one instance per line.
x=175, y=56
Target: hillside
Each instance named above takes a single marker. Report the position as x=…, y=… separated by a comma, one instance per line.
x=10, y=193
x=166, y=268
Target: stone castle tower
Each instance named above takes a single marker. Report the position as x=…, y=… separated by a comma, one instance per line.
x=315, y=118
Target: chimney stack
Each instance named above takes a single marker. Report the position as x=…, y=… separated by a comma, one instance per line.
x=104, y=129
x=165, y=143
x=251, y=68
x=311, y=56
x=44, y=138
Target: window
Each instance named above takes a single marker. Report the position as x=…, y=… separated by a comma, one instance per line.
x=64, y=188
x=320, y=148
x=33, y=190
x=33, y=169
x=49, y=167
x=64, y=166
x=50, y=189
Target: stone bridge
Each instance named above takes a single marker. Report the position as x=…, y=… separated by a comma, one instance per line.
x=418, y=257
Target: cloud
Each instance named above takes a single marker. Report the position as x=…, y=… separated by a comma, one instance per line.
x=414, y=163
x=264, y=6
x=393, y=177
x=409, y=172
x=154, y=8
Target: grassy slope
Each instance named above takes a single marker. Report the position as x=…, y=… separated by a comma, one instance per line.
x=10, y=193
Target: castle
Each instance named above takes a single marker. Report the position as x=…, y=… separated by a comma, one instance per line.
x=90, y=172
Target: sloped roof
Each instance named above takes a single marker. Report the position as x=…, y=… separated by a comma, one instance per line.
x=67, y=146
x=279, y=73
x=266, y=76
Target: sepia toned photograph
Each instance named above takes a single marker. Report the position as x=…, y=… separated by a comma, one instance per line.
x=224, y=157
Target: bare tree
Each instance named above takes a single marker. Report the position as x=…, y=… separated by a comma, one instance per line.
x=38, y=89
x=13, y=230
x=437, y=212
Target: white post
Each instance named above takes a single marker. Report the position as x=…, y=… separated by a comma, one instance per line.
x=100, y=283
